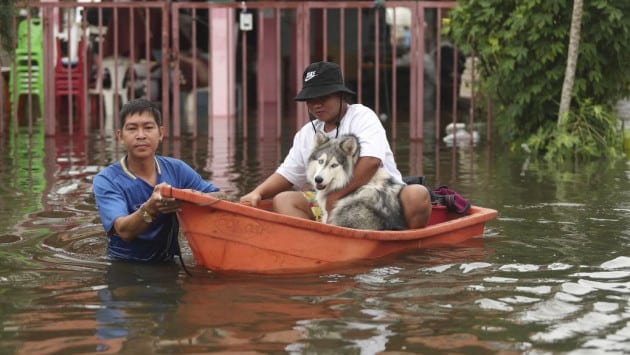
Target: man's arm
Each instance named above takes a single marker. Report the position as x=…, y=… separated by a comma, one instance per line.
x=273, y=185
x=130, y=226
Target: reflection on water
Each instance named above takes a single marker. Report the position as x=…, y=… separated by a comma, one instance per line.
x=551, y=275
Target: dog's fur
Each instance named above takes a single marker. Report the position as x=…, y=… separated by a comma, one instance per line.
x=373, y=206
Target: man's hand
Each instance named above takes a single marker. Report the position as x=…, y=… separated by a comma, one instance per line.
x=251, y=198
x=164, y=204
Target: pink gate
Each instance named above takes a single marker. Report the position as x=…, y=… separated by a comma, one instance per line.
x=241, y=62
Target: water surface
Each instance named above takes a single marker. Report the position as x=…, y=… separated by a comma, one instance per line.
x=552, y=274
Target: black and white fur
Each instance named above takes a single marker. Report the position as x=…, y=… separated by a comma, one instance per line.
x=375, y=205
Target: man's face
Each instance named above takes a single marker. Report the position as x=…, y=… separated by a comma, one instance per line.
x=140, y=135
x=325, y=108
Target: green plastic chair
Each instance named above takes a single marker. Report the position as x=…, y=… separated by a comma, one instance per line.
x=27, y=70
x=36, y=34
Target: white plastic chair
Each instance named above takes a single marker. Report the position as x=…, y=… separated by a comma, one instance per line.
x=116, y=68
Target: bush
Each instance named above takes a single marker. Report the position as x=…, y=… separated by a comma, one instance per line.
x=7, y=11
x=522, y=48
x=588, y=133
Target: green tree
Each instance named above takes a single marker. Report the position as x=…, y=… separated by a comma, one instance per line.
x=522, y=46
x=7, y=12
x=572, y=58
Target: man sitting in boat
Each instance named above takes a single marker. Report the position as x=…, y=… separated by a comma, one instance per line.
x=327, y=101
x=141, y=225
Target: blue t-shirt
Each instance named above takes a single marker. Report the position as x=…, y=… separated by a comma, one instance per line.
x=118, y=192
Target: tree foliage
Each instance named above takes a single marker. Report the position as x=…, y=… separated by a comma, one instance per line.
x=7, y=11
x=522, y=48
x=585, y=134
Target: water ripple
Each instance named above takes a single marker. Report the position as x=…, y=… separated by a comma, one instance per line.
x=590, y=323
x=617, y=263
x=621, y=287
x=486, y=303
x=519, y=267
x=466, y=268
x=576, y=288
x=604, y=274
x=548, y=311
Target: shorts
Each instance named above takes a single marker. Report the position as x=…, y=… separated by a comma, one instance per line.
x=312, y=204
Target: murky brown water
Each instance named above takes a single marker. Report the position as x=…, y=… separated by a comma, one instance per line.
x=552, y=274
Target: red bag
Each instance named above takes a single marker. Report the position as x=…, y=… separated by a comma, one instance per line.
x=444, y=196
x=453, y=201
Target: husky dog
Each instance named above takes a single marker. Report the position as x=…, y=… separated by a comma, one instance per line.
x=372, y=206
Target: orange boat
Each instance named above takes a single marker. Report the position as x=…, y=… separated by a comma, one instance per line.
x=231, y=237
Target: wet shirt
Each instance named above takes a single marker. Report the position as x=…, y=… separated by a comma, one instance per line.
x=119, y=192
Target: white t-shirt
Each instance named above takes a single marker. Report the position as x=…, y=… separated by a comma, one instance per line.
x=359, y=120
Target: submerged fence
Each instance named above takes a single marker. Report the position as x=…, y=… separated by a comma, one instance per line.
x=239, y=62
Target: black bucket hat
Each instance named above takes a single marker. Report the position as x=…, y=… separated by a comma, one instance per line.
x=321, y=79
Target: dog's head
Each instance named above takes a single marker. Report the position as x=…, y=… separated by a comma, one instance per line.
x=332, y=161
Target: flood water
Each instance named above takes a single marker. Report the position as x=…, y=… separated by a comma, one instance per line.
x=551, y=275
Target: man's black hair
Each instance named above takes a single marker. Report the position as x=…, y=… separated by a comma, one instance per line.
x=138, y=106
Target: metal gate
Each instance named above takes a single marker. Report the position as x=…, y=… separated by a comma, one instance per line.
x=241, y=61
